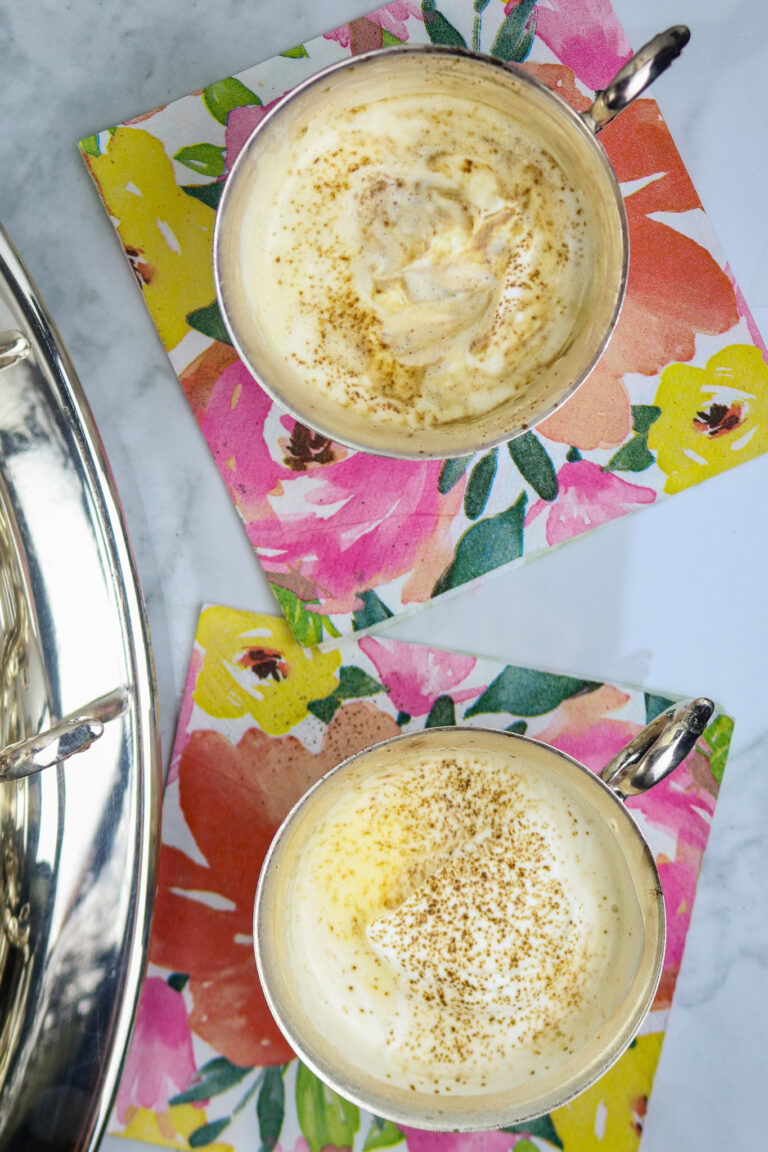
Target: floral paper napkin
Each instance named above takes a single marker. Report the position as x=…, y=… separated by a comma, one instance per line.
x=348, y=539
x=261, y=720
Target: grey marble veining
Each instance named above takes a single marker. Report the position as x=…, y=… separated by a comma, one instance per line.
x=673, y=598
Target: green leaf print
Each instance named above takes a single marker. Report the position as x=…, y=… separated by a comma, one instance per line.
x=324, y=1117
x=485, y=546
x=373, y=611
x=307, y=627
x=297, y=53
x=205, y=159
x=654, y=705
x=270, y=1107
x=353, y=683
x=451, y=472
x=440, y=30
x=207, y=1133
x=222, y=97
x=209, y=194
x=90, y=145
x=514, y=39
x=324, y=709
x=215, y=1077
x=543, y=1129
x=388, y=40
x=209, y=322
x=178, y=981
x=442, y=713
x=382, y=1134
x=718, y=736
x=635, y=455
x=479, y=485
x=525, y=692
x=534, y=464
x=519, y=727
x=480, y=7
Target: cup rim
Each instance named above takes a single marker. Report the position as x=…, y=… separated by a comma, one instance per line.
x=402, y=452
x=612, y=1050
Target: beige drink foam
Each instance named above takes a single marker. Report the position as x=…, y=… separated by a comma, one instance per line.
x=419, y=258
x=462, y=923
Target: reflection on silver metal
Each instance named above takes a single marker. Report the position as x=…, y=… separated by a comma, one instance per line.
x=14, y=346
x=78, y=842
x=636, y=75
x=72, y=734
x=660, y=747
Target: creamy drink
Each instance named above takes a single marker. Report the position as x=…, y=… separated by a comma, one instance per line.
x=460, y=921
x=420, y=252
x=420, y=258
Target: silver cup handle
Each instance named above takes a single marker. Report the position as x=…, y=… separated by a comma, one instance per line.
x=636, y=75
x=659, y=748
x=72, y=734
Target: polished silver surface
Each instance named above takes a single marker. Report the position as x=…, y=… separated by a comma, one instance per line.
x=659, y=748
x=79, y=838
x=637, y=75
x=70, y=735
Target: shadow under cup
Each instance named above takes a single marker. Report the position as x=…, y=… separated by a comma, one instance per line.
x=562, y=133
x=279, y=957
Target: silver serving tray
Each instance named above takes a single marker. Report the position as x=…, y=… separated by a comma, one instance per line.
x=79, y=839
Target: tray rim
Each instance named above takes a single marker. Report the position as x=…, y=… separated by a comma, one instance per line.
x=140, y=723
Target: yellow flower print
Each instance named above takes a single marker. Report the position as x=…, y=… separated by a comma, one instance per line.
x=167, y=235
x=711, y=418
x=252, y=664
x=170, y=1129
x=610, y=1114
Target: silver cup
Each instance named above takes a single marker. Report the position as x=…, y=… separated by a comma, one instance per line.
x=568, y=136
x=659, y=748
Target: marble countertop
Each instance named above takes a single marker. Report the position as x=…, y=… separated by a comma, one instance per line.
x=673, y=599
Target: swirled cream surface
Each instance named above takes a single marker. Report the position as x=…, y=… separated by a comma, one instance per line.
x=421, y=258
x=461, y=924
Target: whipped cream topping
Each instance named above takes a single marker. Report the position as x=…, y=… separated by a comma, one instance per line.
x=467, y=921
x=422, y=258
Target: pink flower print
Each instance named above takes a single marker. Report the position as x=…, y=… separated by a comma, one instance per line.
x=418, y=1140
x=678, y=883
x=581, y=728
x=392, y=19
x=301, y=1145
x=417, y=676
x=588, y=497
x=234, y=426
x=682, y=808
x=342, y=35
x=348, y=521
x=241, y=122
x=160, y=1060
x=353, y=524
x=679, y=806
x=586, y=36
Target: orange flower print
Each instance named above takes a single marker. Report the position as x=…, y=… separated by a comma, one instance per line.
x=675, y=289
x=204, y=911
